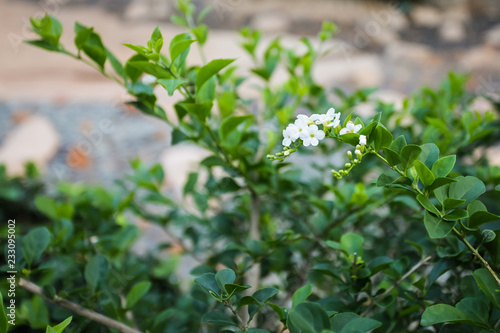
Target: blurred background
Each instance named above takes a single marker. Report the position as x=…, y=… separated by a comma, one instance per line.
x=74, y=124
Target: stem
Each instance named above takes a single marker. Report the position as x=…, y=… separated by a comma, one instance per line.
x=97, y=317
x=397, y=283
x=455, y=231
x=477, y=255
x=242, y=325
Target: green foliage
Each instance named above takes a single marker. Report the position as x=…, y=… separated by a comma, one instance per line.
x=327, y=255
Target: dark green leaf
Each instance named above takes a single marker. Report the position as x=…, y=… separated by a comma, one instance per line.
x=427, y=204
x=95, y=271
x=409, y=154
x=218, y=318
x=443, y=313
x=488, y=285
x=301, y=294
x=309, y=318
x=437, y=227
x=391, y=156
x=223, y=277
x=34, y=244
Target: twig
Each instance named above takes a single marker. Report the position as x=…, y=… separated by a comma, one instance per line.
x=97, y=317
x=397, y=283
x=241, y=323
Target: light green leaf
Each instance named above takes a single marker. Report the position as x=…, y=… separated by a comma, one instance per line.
x=61, y=326
x=137, y=292
x=427, y=204
x=209, y=70
x=3, y=317
x=171, y=85
x=425, y=175
x=443, y=166
x=475, y=309
x=231, y=123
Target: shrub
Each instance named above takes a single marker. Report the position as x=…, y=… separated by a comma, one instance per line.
x=399, y=235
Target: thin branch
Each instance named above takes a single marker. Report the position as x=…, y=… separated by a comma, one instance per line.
x=84, y=312
x=397, y=283
x=241, y=323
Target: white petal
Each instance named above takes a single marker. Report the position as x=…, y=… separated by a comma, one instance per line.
x=286, y=142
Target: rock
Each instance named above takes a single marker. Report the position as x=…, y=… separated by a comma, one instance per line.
x=33, y=140
x=492, y=36
x=481, y=57
x=452, y=31
x=426, y=16
x=270, y=22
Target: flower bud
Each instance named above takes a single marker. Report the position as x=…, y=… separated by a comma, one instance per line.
x=356, y=161
x=349, y=154
x=347, y=165
x=488, y=235
x=358, y=153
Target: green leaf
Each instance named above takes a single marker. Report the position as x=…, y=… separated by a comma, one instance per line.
x=437, y=227
x=457, y=214
x=488, y=285
x=443, y=166
x=49, y=28
x=451, y=203
x=443, y=313
x=398, y=144
x=137, y=292
x=352, y=243
x=427, y=204
x=361, y=324
x=34, y=243
x=440, y=182
x=309, y=318
x=96, y=271
x=261, y=295
x=301, y=294
x=209, y=70
x=409, y=154
x=190, y=184
x=208, y=283
x=348, y=322
x=3, y=317
x=475, y=309
x=429, y=155
x=391, y=156
x=82, y=34
x=116, y=64
x=227, y=103
x=425, y=175
x=218, y=318
x=231, y=123
x=199, y=110
x=223, y=277
x=61, y=326
x=467, y=188
x=42, y=44
x=179, y=46
x=481, y=217
x=93, y=46
x=171, y=85
x=382, y=138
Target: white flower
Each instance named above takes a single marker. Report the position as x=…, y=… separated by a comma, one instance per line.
x=357, y=152
x=362, y=140
x=302, y=123
x=330, y=119
x=312, y=135
x=148, y=79
x=290, y=134
x=350, y=128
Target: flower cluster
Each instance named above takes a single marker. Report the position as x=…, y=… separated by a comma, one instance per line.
x=310, y=130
